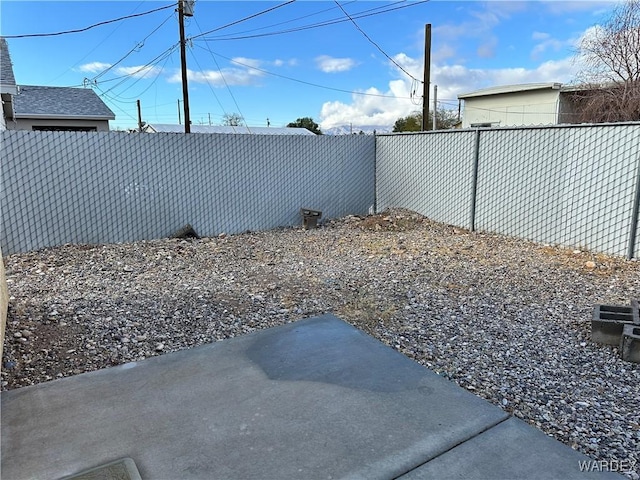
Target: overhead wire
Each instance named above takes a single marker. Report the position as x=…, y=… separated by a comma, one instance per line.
x=162, y=56
x=138, y=46
x=97, y=45
x=223, y=79
x=202, y=34
x=79, y=30
x=373, y=42
x=316, y=25
x=305, y=82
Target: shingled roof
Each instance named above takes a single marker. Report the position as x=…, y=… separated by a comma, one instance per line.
x=7, y=80
x=60, y=102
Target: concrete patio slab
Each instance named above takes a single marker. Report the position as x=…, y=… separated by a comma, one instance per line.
x=512, y=450
x=312, y=399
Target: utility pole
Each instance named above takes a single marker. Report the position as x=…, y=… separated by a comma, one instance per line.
x=435, y=106
x=209, y=119
x=179, y=119
x=182, y=12
x=427, y=75
x=140, y=124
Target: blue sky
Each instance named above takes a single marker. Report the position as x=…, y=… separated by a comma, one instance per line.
x=272, y=66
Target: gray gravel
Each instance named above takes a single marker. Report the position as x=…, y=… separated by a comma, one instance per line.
x=507, y=319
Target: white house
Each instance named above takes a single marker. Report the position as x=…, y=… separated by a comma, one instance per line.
x=518, y=105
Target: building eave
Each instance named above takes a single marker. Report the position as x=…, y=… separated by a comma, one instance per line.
x=506, y=89
x=8, y=88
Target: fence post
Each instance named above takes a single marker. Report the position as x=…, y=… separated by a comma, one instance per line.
x=474, y=184
x=634, y=215
x=375, y=173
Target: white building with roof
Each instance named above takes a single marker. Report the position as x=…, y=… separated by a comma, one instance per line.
x=517, y=105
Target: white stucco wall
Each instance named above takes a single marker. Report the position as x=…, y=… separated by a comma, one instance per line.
x=533, y=107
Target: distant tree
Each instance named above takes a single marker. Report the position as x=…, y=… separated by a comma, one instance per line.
x=232, y=120
x=609, y=84
x=308, y=123
x=445, y=120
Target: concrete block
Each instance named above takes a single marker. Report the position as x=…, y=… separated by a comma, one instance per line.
x=608, y=322
x=310, y=218
x=630, y=343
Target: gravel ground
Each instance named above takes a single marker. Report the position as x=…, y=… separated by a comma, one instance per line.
x=506, y=319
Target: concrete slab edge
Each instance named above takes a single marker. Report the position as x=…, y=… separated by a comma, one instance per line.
x=416, y=467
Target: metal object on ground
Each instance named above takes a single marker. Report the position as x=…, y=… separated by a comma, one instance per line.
x=123, y=469
x=310, y=218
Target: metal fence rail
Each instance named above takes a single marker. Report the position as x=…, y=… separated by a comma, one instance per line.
x=63, y=187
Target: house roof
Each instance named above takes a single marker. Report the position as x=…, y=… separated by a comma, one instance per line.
x=7, y=80
x=511, y=89
x=167, y=128
x=60, y=102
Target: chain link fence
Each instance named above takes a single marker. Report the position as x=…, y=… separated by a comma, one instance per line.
x=565, y=185
x=67, y=187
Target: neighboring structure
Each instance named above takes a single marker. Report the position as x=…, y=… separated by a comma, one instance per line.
x=8, y=86
x=48, y=108
x=167, y=128
x=60, y=109
x=518, y=105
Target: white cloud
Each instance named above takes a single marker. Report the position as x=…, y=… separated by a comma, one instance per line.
x=140, y=71
x=442, y=53
x=549, y=44
x=94, y=67
x=596, y=7
x=333, y=65
x=248, y=62
x=540, y=36
x=220, y=78
x=246, y=73
x=488, y=48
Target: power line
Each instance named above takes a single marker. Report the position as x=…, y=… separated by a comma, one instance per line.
x=163, y=56
x=223, y=79
x=359, y=15
x=96, y=46
x=244, y=19
x=374, y=43
x=138, y=46
x=207, y=80
x=308, y=83
x=79, y=30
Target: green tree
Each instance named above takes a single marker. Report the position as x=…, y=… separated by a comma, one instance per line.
x=232, y=120
x=445, y=120
x=308, y=123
